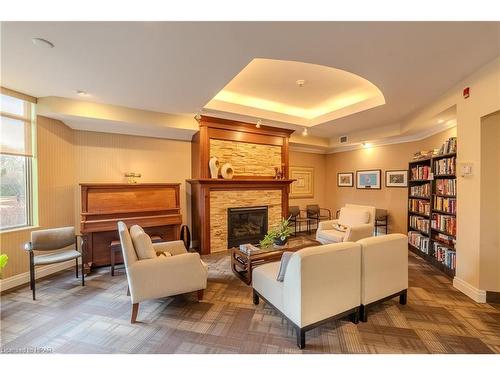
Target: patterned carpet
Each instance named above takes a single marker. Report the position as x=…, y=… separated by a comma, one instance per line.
x=68, y=318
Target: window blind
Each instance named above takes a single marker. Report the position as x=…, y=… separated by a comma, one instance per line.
x=16, y=117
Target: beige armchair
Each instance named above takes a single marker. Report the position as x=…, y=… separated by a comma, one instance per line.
x=359, y=220
x=180, y=273
x=384, y=270
x=52, y=240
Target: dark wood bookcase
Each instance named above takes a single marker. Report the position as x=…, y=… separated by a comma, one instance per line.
x=425, y=238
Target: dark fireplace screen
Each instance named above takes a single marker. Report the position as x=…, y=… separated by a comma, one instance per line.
x=246, y=225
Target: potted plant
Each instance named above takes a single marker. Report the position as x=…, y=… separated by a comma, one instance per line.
x=279, y=235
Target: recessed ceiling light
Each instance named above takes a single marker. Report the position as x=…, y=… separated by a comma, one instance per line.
x=258, y=124
x=366, y=144
x=304, y=132
x=300, y=82
x=42, y=43
x=81, y=92
x=440, y=121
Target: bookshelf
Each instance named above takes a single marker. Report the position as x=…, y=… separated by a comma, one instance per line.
x=432, y=202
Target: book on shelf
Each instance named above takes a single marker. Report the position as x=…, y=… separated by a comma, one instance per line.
x=419, y=241
x=449, y=146
x=420, y=223
x=419, y=206
x=446, y=186
x=420, y=172
x=445, y=255
x=444, y=239
x=446, y=166
x=448, y=205
x=444, y=223
x=423, y=190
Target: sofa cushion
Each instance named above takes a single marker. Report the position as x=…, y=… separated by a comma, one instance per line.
x=264, y=281
x=142, y=243
x=285, y=258
x=352, y=216
x=331, y=236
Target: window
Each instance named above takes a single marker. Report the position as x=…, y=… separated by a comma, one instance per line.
x=16, y=192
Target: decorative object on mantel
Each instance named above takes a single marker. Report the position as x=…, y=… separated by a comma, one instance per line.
x=227, y=171
x=278, y=173
x=132, y=177
x=303, y=186
x=214, y=167
x=279, y=235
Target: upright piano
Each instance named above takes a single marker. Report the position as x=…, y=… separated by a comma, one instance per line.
x=155, y=207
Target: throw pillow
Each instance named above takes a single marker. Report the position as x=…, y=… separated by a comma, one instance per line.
x=142, y=243
x=340, y=227
x=285, y=258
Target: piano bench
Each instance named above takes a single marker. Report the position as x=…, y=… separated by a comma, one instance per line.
x=116, y=247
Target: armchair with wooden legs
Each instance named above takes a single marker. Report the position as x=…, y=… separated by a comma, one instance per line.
x=182, y=272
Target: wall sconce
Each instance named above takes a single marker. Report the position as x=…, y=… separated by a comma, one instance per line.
x=131, y=177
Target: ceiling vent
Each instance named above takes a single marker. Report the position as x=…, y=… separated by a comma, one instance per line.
x=343, y=139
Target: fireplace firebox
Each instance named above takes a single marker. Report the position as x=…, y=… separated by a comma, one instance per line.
x=246, y=225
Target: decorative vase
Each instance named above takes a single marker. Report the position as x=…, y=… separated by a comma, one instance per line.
x=214, y=167
x=279, y=242
x=227, y=171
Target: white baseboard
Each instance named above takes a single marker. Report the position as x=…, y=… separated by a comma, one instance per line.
x=476, y=294
x=23, y=278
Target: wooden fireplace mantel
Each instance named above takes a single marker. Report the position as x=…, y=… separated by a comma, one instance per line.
x=247, y=183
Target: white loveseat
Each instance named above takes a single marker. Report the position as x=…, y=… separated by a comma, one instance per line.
x=321, y=283
x=384, y=270
x=180, y=273
x=360, y=221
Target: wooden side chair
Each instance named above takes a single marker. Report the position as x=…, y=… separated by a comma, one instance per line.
x=53, y=240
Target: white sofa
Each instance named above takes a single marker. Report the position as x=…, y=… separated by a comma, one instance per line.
x=360, y=221
x=182, y=272
x=384, y=270
x=321, y=283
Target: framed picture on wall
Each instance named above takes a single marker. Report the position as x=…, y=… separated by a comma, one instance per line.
x=303, y=186
x=368, y=179
x=345, y=179
x=397, y=178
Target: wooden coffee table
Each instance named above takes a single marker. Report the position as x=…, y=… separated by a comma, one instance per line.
x=242, y=264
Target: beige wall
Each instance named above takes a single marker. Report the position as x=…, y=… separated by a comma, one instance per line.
x=56, y=175
x=390, y=157
x=67, y=157
x=318, y=162
x=490, y=203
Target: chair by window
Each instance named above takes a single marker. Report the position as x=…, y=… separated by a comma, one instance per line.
x=317, y=214
x=52, y=240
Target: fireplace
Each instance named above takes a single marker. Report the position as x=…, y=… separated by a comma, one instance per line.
x=246, y=225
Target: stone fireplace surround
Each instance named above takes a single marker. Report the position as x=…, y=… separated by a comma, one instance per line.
x=254, y=185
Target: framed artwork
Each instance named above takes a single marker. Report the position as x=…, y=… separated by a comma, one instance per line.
x=345, y=179
x=368, y=179
x=303, y=186
x=397, y=178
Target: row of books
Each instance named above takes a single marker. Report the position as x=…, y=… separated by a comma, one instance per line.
x=448, y=205
x=444, y=239
x=418, y=240
x=420, y=172
x=423, y=190
x=444, y=223
x=445, y=166
x=446, y=256
x=446, y=186
x=420, y=223
x=448, y=146
x=420, y=206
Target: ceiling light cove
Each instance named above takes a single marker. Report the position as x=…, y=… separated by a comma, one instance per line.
x=269, y=89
